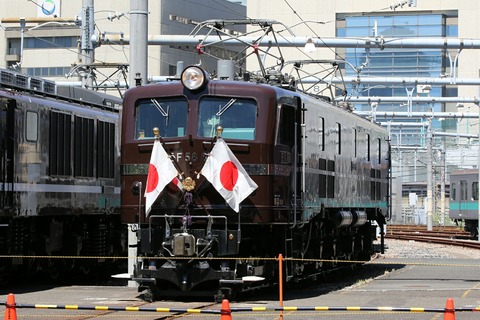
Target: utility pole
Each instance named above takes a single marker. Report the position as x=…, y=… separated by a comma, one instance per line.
x=138, y=42
x=442, y=188
x=429, y=177
x=87, y=52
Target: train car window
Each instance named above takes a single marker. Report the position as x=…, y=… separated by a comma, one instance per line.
x=475, y=190
x=105, y=149
x=236, y=116
x=368, y=147
x=84, y=147
x=321, y=133
x=60, y=144
x=463, y=190
x=286, y=129
x=167, y=114
x=339, y=138
x=354, y=142
x=31, y=128
x=379, y=150
x=453, y=191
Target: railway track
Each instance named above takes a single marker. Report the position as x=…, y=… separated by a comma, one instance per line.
x=453, y=236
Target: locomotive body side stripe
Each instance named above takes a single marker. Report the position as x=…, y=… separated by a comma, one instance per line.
x=65, y=188
x=255, y=170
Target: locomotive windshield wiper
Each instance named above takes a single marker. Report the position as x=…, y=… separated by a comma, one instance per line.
x=160, y=109
x=225, y=107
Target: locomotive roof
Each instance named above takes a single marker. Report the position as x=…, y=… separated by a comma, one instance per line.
x=243, y=87
x=43, y=87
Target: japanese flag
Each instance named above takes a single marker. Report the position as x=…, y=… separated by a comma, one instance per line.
x=161, y=172
x=227, y=175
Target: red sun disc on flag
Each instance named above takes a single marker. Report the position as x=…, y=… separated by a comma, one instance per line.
x=152, y=178
x=229, y=175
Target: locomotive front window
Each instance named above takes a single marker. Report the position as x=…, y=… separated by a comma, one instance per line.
x=168, y=115
x=236, y=116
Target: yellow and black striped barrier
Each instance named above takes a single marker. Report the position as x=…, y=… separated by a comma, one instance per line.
x=449, y=308
x=111, y=308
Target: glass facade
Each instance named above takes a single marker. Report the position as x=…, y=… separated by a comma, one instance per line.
x=388, y=62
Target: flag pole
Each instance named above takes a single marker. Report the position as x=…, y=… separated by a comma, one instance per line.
x=156, y=132
x=219, y=131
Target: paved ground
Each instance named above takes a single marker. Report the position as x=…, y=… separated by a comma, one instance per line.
x=398, y=283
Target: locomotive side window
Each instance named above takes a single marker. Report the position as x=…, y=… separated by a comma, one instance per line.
x=31, y=129
x=368, y=147
x=339, y=138
x=236, y=116
x=60, y=144
x=453, y=191
x=321, y=133
x=84, y=140
x=105, y=149
x=355, y=142
x=463, y=190
x=379, y=150
x=286, y=129
x=169, y=115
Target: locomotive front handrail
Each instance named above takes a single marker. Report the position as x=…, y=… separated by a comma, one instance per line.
x=166, y=216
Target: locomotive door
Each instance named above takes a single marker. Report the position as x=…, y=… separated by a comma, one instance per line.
x=290, y=137
x=7, y=109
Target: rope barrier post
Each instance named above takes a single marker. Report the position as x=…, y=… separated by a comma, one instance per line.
x=280, y=283
x=449, y=310
x=226, y=313
x=10, y=311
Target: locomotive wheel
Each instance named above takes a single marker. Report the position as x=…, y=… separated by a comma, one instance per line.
x=68, y=264
x=31, y=264
x=54, y=269
x=229, y=293
x=5, y=274
x=85, y=270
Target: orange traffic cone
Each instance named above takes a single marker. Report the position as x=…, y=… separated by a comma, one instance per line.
x=226, y=313
x=449, y=310
x=10, y=311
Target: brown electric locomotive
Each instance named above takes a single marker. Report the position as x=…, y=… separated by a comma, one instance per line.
x=321, y=176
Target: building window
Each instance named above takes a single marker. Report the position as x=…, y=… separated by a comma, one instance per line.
x=397, y=62
x=50, y=42
x=48, y=72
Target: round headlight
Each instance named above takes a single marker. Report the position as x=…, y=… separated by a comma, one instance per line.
x=193, y=78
